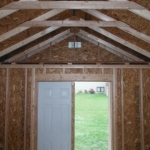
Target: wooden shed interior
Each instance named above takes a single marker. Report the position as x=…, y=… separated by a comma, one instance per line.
x=115, y=47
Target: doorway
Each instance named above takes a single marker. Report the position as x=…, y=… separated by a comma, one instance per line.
x=92, y=118
x=70, y=78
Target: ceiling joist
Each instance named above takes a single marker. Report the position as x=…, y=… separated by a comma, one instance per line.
x=21, y=29
x=76, y=23
x=110, y=46
x=128, y=29
x=73, y=5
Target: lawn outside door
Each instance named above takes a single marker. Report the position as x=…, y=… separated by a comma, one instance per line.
x=54, y=115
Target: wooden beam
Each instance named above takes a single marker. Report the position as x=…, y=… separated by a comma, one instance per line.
x=121, y=41
x=128, y=29
x=43, y=45
x=143, y=13
x=4, y=13
x=115, y=107
x=73, y=5
x=25, y=111
x=26, y=41
x=122, y=107
x=75, y=23
x=21, y=29
x=111, y=46
x=7, y=109
x=141, y=110
x=101, y=45
x=33, y=105
x=74, y=77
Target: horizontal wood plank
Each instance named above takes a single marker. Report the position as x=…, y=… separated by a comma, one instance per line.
x=74, y=77
x=73, y=5
x=76, y=23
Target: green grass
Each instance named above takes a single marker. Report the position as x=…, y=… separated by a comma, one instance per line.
x=91, y=122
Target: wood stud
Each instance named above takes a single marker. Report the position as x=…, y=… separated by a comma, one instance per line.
x=141, y=111
x=7, y=109
x=122, y=108
x=25, y=110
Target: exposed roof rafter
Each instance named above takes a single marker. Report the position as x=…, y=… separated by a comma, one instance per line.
x=21, y=29
x=41, y=46
x=121, y=41
x=26, y=41
x=128, y=29
x=4, y=13
x=103, y=46
x=110, y=46
x=143, y=13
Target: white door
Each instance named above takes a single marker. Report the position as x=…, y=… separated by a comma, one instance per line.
x=54, y=115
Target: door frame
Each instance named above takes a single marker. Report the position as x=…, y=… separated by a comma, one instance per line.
x=67, y=78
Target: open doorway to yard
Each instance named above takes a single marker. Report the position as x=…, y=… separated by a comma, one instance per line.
x=92, y=116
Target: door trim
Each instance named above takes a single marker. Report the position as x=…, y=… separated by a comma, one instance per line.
x=64, y=78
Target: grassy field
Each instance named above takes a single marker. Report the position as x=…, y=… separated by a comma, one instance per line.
x=91, y=122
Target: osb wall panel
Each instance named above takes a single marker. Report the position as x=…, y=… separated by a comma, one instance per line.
x=130, y=97
x=2, y=107
x=54, y=70
x=108, y=71
x=73, y=71
x=119, y=110
x=93, y=71
x=88, y=52
x=29, y=77
x=131, y=109
x=39, y=70
x=16, y=109
x=146, y=106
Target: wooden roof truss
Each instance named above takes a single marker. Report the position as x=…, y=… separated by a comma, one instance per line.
x=88, y=7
